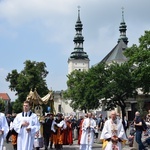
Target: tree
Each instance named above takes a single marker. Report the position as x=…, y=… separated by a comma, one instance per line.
x=96, y=79
x=119, y=86
x=139, y=57
x=16, y=106
x=83, y=88
x=140, y=107
x=32, y=76
x=76, y=90
x=2, y=105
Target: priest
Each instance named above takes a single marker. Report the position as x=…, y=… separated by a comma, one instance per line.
x=87, y=136
x=3, y=129
x=26, y=124
x=113, y=134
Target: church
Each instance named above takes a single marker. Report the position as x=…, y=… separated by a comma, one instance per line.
x=79, y=60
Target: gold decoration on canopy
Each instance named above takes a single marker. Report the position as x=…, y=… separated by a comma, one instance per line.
x=35, y=99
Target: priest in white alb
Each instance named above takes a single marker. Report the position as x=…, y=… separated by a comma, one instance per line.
x=87, y=136
x=4, y=128
x=113, y=134
x=26, y=124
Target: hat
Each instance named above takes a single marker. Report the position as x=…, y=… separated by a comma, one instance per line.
x=48, y=114
x=59, y=115
x=51, y=114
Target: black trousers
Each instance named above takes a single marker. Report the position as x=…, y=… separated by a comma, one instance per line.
x=46, y=139
x=8, y=136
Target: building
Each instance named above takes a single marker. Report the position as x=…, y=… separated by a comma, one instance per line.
x=5, y=97
x=116, y=54
x=61, y=105
x=78, y=59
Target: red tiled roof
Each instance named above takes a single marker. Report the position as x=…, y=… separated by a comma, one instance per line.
x=4, y=96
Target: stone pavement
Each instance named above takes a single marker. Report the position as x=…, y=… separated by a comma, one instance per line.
x=75, y=146
x=96, y=146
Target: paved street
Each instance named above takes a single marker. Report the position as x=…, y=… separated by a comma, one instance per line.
x=69, y=147
x=75, y=146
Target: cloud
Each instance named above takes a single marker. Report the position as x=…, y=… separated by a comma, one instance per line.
x=17, y=12
x=55, y=20
x=44, y=30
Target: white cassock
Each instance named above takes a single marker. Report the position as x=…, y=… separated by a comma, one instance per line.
x=110, y=129
x=4, y=127
x=87, y=136
x=52, y=126
x=25, y=140
x=61, y=125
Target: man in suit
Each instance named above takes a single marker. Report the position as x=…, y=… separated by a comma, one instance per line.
x=47, y=130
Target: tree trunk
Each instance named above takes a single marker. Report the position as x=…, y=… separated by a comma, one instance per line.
x=123, y=112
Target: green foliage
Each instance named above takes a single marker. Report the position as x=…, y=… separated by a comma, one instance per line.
x=17, y=106
x=32, y=76
x=83, y=88
x=140, y=107
x=114, y=83
x=96, y=82
x=139, y=57
x=119, y=86
x=2, y=105
x=76, y=90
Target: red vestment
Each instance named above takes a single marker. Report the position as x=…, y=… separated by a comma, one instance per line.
x=68, y=138
x=80, y=131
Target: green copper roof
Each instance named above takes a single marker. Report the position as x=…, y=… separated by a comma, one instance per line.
x=122, y=29
x=78, y=52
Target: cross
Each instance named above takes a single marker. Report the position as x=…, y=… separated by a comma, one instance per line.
x=79, y=8
x=122, y=10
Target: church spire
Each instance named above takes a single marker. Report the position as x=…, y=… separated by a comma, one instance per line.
x=122, y=29
x=78, y=52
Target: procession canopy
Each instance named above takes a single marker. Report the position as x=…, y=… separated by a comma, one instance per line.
x=35, y=99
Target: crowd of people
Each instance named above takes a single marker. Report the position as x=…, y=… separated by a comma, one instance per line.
x=28, y=131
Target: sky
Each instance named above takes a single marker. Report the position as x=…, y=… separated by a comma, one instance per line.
x=43, y=31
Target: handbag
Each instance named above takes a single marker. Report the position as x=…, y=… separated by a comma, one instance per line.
x=39, y=142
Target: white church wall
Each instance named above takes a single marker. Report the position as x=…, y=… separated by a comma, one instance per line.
x=77, y=65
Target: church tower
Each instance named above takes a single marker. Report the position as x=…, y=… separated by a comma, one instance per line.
x=123, y=29
x=117, y=53
x=78, y=59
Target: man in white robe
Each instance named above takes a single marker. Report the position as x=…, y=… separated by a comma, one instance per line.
x=87, y=136
x=4, y=128
x=26, y=124
x=113, y=134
